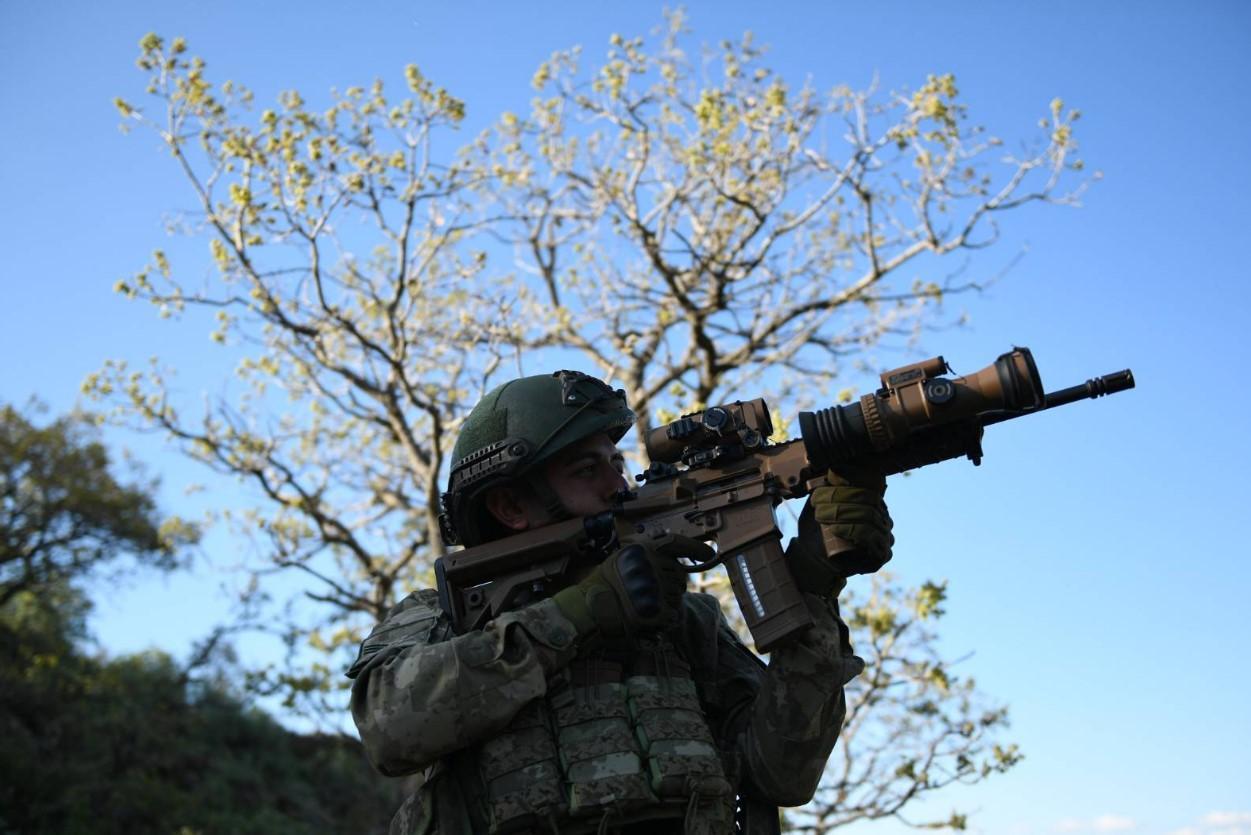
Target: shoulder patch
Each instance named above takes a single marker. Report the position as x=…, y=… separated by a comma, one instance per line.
x=410, y=622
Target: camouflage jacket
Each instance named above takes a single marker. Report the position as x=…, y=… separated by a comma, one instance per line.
x=422, y=694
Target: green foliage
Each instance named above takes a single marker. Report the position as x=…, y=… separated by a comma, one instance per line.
x=133, y=744
x=63, y=513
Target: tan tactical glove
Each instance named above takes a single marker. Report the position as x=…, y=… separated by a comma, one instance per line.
x=841, y=513
x=637, y=589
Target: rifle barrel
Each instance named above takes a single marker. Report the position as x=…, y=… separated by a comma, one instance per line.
x=1095, y=387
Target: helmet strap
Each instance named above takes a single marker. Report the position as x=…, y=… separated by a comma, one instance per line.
x=547, y=497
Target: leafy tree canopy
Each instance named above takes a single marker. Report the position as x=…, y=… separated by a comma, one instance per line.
x=136, y=744
x=685, y=228
x=62, y=511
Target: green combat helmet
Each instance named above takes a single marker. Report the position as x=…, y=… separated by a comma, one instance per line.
x=517, y=426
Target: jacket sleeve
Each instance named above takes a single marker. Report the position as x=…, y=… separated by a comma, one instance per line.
x=797, y=715
x=778, y=724
x=420, y=693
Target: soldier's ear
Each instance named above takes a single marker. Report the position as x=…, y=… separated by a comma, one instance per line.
x=508, y=507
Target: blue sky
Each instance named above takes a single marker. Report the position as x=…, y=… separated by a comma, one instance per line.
x=1097, y=561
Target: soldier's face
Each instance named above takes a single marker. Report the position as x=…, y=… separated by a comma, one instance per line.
x=587, y=474
x=584, y=476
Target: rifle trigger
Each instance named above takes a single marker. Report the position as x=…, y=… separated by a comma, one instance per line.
x=707, y=519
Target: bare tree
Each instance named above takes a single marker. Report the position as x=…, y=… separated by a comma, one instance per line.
x=690, y=230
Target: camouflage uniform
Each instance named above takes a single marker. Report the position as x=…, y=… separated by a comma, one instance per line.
x=427, y=700
x=536, y=723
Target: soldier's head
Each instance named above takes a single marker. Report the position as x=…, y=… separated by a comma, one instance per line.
x=535, y=451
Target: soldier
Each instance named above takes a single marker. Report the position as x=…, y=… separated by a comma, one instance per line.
x=622, y=703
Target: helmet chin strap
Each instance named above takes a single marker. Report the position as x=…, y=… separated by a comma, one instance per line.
x=547, y=497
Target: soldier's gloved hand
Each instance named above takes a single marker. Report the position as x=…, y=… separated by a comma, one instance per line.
x=852, y=508
x=637, y=589
x=841, y=513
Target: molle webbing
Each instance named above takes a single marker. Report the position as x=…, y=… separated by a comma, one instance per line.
x=521, y=773
x=673, y=736
x=601, y=760
x=617, y=740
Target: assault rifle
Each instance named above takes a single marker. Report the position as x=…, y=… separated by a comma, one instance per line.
x=715, y=476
